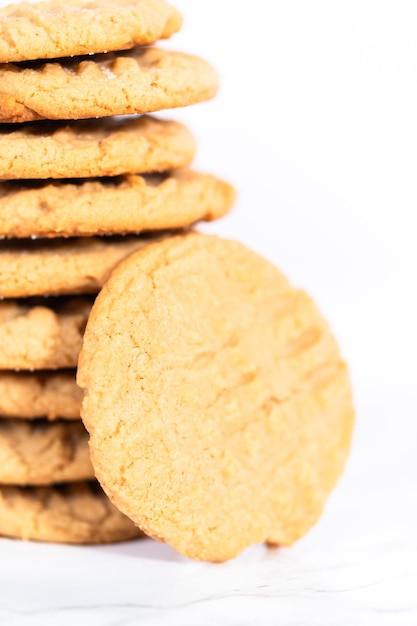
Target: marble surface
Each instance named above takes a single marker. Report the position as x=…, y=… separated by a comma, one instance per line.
x=357, y=566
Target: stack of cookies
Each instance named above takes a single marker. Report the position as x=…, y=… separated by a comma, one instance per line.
x=217, y=404
x=81, y=190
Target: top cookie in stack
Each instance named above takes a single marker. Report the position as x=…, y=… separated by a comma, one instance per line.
x=51, y=30
x=85, y=183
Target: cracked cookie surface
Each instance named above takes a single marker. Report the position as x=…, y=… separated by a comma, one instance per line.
x=141, y=80
x=48, y=394
x=45, y=30
x=73, y=513
x=42, y=334
x=42, y=453
x=121, y=205
x=85, y=149
x=219, y=409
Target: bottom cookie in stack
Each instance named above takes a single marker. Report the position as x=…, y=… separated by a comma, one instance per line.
x=72, y=513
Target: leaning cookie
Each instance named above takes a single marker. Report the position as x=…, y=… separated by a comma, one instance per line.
x=42, y=334
x=219, y=409
x=41, y=453
x=74, y=513
x=54, y=29
x=84, y=149
x=141, y=80
x=125, y=204
x=32, y=395
x=61, y=266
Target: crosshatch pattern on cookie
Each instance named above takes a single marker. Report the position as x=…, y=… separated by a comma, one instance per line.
x=117, y=205
x=55, y=29
x=141, y=80
x=219, y=408
x=106, y=147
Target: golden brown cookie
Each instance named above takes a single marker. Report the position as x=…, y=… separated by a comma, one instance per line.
x=125, y=204
x=219, y=410
x=93, y=148
x=141, y=80
x=41, y=453
x=45, y=334
x=74, y=513
x=61, y=266
x=30, y=395
x=48, y=30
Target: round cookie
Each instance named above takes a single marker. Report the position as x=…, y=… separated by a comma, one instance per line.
x=219, y=410
x=107, y=147
x=74, y=513
x=48, y=30
x=61, y=266
x=126, y=204
x=141, y=80
x=41, y=453
x=30, y=395
x=45, y=334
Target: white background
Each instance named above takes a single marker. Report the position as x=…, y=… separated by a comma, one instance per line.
x=316, y=125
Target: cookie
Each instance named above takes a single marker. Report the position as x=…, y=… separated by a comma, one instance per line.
x=219, y=409
x=74, y=513
x=30, y=395
x=93, y=148
x=141, y=80
x=41, y=453
x=126, y=204
x=49, y=30
x=45, y=334
x=61, y=266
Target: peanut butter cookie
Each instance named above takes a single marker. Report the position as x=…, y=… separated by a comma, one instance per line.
x=30, y=395
x=73, y=513
x=93, y=148
x=61, y=266
x=42, y=334
x=40, y=453
x=141, y=80
x=219, y=409
x=120, y=205
x=46, y=30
